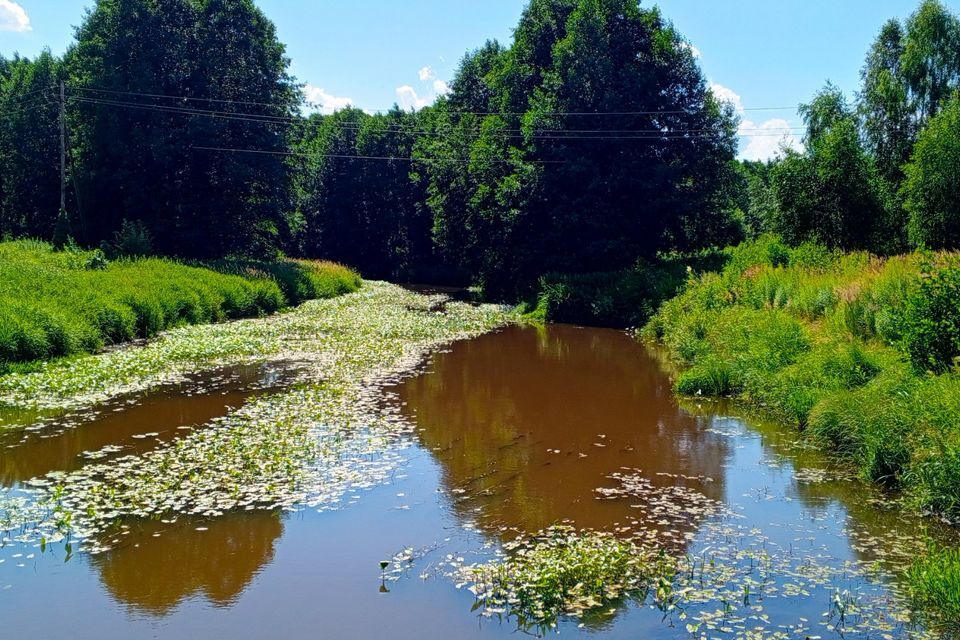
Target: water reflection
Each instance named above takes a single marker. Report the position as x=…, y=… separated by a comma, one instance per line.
x=527, y=423
x=157, y=566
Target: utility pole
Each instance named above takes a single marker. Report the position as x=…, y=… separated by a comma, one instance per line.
x=63, y=148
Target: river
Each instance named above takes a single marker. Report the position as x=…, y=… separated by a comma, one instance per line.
x=515, y=431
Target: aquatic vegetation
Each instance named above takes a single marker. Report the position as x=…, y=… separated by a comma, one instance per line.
x=299, y=448
x=55, y=304
x=561, y=571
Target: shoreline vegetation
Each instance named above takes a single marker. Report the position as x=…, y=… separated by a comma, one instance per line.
x=55, y=304
x=856, y=351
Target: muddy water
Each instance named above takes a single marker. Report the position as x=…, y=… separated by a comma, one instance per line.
x=131, y=424
x=516, y=431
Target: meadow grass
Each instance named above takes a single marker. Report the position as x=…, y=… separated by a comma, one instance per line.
x=61, y=303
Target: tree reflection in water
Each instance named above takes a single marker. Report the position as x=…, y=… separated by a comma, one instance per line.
x=527, y=424
x=214, y=559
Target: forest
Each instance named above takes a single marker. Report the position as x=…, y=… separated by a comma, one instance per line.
x=590, y=142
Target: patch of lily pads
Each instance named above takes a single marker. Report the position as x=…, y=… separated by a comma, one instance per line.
x=300, y=448
x=731, y=581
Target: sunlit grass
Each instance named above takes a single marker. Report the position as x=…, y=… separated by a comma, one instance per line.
x=935, y=587
x=55, y=304
x=815, y=338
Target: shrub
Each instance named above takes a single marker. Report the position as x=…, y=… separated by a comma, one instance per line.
x=132, y=240
x=931, y=322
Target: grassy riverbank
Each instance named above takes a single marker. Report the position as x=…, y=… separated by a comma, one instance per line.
x=61, y=303
x=859, y=352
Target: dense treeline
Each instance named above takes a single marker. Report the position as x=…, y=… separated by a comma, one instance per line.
x=879, y=172
x=503, y=180
x=588, y=144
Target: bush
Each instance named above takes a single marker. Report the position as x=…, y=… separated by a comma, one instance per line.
x=132, y=240
x=626, y=298
x=840, y=345
x=931, y=321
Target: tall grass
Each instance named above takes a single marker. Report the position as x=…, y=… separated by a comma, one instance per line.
x=56, y=304
x=824, y=341
x=935, y=587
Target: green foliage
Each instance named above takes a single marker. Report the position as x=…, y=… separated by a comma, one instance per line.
x=366, y=213
x=931, y=322
x=563, y=572
x=56, y=304
x=143, y=159
x=831, y=193
x=492, y=192
x=934, y=581
x=300, y=280
x=824, y=340
x=625, y=298
x=932, y=187
x=133, y=240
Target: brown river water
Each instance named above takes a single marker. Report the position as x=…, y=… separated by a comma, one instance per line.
x=516, y=430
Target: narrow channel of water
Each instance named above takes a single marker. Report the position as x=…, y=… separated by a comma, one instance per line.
x=516, y=432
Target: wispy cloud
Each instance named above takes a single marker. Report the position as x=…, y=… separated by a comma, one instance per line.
x=433, y=87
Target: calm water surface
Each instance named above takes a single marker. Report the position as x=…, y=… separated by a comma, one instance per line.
x=516, y=430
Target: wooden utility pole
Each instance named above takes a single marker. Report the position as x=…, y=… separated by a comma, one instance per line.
x=63, y=148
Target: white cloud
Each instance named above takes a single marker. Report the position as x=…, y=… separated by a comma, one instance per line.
x=426, y=73
x=768, y=140
x=692, y=49
x=441, y=88
x=729, y=96
x=762, y=141
x=13, y=17
x=319, y=100
x=408, y=99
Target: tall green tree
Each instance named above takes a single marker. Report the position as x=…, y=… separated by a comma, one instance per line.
x=153, y=80
x=29, y=146
x=932, y=185
x=889, y=121
x=601, y=143
x=829, y=193
x=931, y=57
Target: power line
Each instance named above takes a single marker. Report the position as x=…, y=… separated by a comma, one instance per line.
x=554, y=134
x=352, y=157
x=478, y=113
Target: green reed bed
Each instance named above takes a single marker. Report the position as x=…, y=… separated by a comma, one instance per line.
x=935, y=587
x=62, y=303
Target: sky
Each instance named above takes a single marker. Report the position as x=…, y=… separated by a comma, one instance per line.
x=764, y=56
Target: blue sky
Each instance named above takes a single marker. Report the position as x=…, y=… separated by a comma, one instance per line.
x=372, y=53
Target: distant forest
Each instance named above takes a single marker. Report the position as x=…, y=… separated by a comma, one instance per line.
x=590, y=142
